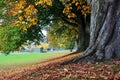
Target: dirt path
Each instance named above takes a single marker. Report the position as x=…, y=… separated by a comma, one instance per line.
x=13, y=71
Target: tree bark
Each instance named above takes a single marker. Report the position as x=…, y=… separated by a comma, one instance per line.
x=83, y=33
x=104, y=32
x=105, y=29
x=81, y=39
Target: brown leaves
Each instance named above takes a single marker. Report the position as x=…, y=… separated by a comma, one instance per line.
x=98, y=71
x=79, y=71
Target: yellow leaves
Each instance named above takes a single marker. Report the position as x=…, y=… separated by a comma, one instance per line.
x=31, y=15
x=44, y=3
x=43, y=45
x=79, y=5
x=71, y=15
x=82, y=6
x=78, y=2
x=23, y=22
x=49, y=3
x=20, y=11
x=60, y=45
x=67, y=11
x=22, y=2
x=30, y=10
x=26, y=14
x=67, y=8
x=24, y=28
x=20, y=18
x=86, y=10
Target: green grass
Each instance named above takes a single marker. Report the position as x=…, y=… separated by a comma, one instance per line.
x=23, y=59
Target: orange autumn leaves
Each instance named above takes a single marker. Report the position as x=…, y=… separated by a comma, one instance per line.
x=25, y=14
x=45, y=3
x=81, y=5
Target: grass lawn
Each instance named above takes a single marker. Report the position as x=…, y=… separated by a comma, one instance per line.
x=29, y=58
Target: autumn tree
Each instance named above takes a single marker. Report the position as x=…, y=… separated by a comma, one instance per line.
x=104, y=32
x=81, y=11
x=22, y=17
x=62, y=35
x=13, y=36
x=75, y=13
x=24, y=13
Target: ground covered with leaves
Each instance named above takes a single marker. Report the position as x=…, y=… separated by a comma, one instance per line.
x=108, y=70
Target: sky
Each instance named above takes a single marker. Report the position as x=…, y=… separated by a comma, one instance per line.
x=44, y=32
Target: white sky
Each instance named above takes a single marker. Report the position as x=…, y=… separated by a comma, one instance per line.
x=44, y=32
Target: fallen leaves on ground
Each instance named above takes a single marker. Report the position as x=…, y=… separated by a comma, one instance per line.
x=75, y=71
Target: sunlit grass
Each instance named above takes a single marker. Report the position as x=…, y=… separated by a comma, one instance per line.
x=26, y=58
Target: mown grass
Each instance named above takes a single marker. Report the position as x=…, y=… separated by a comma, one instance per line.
x=26, y=58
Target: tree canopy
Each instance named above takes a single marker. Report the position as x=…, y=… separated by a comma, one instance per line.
x=62, y=35
x=31, y=16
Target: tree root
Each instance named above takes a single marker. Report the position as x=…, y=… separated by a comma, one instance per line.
x=85, y=57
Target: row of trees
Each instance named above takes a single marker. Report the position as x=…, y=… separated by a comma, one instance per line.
x=38, y=14
x=98, y=36
x=62, y=35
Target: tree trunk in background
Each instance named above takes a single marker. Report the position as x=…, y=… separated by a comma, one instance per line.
x=104, y=32
x=83, y=33
x=81, y=39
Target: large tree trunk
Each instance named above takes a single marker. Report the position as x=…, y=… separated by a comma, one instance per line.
x=105, y=29
x=104, y=32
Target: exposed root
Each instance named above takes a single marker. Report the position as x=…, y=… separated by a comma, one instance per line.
x=85, y=57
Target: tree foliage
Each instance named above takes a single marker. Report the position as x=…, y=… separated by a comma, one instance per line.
x=24, y=12
x=10, y=39
x=15, y=35
x=62, y=34
x=31, y=16
x=79, y=5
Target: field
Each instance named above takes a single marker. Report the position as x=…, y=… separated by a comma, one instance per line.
x=52, y=70
x=26, y=58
